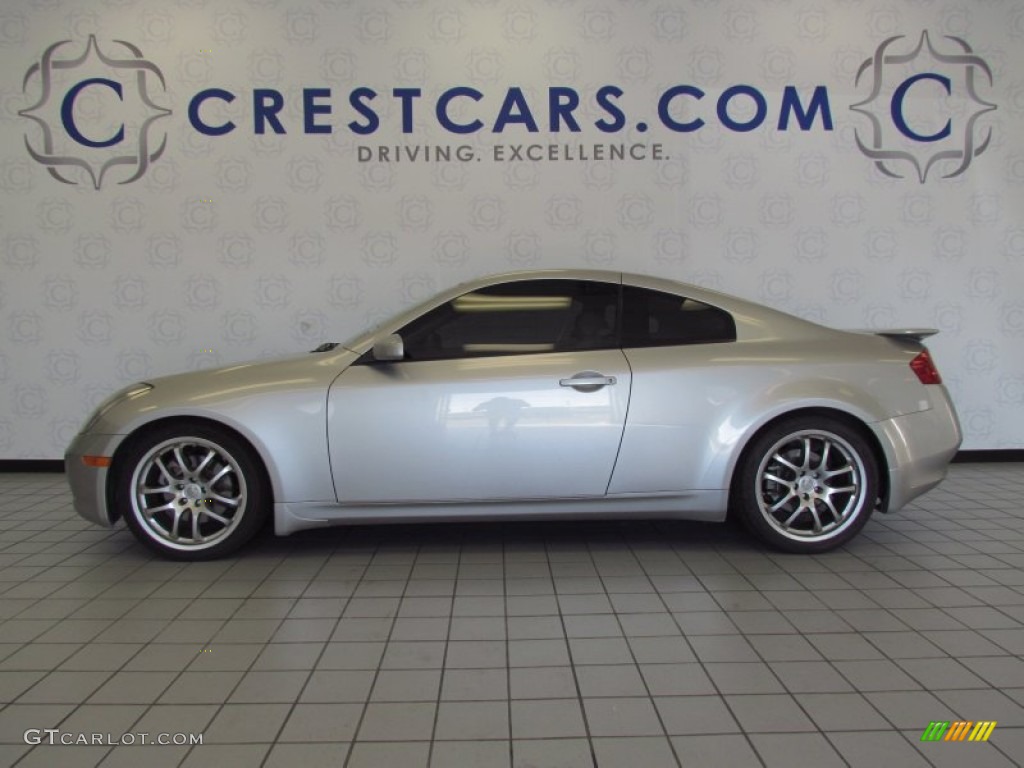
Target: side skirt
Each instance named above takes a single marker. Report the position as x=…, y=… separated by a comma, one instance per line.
x=707, y=506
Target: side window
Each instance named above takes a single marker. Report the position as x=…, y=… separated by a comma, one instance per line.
x=657, y=319
x=517, y=318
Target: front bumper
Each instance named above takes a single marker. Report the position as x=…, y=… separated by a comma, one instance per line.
x=919, y=447
x=89, y=484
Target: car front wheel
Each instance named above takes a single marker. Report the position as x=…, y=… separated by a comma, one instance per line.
x=807, y=485
x=191, y=491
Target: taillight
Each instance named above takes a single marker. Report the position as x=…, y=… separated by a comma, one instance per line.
x=924, y=368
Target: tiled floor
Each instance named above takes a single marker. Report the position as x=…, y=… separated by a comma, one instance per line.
x=609, y=644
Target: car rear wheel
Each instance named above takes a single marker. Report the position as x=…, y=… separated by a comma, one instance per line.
x=191, y=491
x=807, y=484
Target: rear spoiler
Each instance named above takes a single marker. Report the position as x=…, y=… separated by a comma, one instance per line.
x=911, y=334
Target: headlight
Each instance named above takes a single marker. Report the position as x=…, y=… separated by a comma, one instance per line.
x=124, y=394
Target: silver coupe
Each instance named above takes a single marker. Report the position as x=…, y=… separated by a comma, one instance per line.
x=540, y=395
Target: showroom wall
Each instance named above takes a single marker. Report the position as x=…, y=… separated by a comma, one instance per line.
x=192, y=183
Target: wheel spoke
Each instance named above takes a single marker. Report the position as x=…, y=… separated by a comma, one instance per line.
x=168, y=507
x=823, y=463
x=164, y=489
x=220, y=473
x=219, y=518
x=176, y=524
x=225, y=499
x=785, y=462
x=846, y=489
x=202, y=464
x=163, y=469
x=831, y=508
x=783, y=502
x=817, y=520
x=841, y=471
x=789, y=520
x=779, y=480
x=807, y=453
x=181, y=461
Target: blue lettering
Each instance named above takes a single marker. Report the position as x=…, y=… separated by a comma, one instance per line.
x=807, y=110
x=67, y=113
x=805, y=118
x=515, y=110
x=665, y=101
x=359, y=99
x=442, y=110
x=197, y=102
x=264, y=111
x=897, y=107
x=310, y=109
x=406, y=95
x=604, y=100
x=561, y=103
x=742, y=90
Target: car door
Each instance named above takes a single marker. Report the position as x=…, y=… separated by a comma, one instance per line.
x=514, y=391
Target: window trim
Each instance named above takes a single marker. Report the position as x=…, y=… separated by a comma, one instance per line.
x=618, y=337
x=614, y=342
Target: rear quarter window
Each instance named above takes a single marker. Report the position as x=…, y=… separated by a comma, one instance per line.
x=658, y=319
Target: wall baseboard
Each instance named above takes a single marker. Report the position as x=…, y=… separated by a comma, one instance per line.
x=990, y=455
x=995, y=455
x=31, y=465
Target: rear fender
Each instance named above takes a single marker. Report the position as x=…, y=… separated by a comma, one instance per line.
x=815, y=395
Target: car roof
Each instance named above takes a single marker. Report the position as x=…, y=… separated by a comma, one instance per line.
x=689, y=290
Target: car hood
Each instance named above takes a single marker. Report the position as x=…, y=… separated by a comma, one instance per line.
x=252, y=377
x=231, y=393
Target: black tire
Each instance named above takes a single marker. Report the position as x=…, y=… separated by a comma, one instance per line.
x=191, y=490
x=806, y=484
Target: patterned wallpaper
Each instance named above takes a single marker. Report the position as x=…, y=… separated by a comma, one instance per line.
x=190, y=183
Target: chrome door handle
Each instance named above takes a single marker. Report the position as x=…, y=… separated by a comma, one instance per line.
x=588, y=381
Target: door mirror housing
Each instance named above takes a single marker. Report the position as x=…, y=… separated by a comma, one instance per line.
x=389, y=349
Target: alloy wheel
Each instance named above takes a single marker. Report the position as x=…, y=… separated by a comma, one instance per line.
x=188, y=493
x=811, y=485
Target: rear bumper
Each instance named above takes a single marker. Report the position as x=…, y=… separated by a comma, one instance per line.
x=89, y=484
x=919, y=447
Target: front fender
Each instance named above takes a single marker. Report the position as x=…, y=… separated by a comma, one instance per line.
x=279, y=407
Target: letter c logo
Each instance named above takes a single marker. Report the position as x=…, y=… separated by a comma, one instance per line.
x=67, y=113
x=897, y=107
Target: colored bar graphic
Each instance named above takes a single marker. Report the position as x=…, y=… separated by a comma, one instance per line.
x=982, y=731
x=959, y=730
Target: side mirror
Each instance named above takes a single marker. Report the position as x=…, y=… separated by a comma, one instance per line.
x=389, y=349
